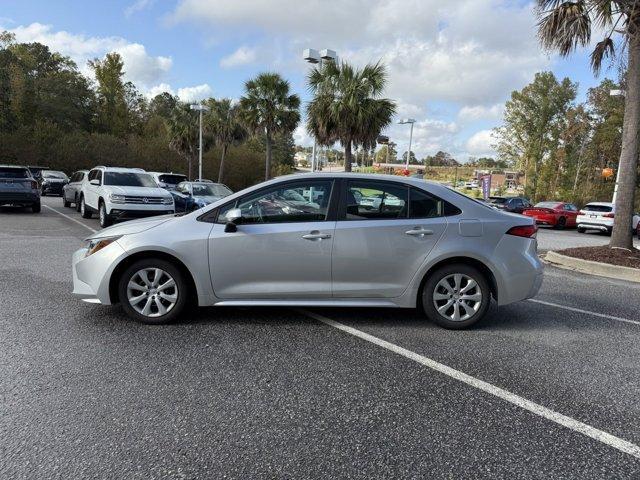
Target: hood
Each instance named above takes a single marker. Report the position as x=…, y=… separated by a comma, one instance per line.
x=207, y=198
x=139, y=191
x=133, y=226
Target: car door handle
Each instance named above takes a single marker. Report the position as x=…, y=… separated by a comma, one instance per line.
x=419, y=232
x=315, y=235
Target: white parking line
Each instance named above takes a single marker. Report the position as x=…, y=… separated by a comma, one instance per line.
x=588, y=312
x=70, y=218
x=560, y=419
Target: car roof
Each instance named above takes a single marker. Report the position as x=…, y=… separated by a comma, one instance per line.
x=121, y=169
x=12, y=166
x=604, y=204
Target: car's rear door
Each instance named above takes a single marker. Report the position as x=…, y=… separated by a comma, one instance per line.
x=385, y=232
x=282, y=247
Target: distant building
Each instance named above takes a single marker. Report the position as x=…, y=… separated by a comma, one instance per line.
x=507, y=179
x=302, y=158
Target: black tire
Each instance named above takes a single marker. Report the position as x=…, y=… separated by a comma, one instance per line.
x=181, y=289
x=75, y=200
x=561, y=223
x=36, y=207
x=581, y=230
x=482, y=287
x=65, y=203
x=105, y=219
x=84, y=211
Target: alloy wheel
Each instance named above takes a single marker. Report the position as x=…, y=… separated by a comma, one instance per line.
x=152, y=292
x=457, y=297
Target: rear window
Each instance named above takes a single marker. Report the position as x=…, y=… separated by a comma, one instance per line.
x=54, y=174
x=10, y=172
x=597, y=208
x=172, y=179
x=546, y=205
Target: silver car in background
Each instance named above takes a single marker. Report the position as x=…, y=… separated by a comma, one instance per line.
x=318, y=240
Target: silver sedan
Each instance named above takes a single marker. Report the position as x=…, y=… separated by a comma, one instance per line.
x=318, y=240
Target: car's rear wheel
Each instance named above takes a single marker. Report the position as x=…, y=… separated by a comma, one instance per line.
x=84, y=211
x=153, y=291
x=561, y=223
x=36, y=207
x=105, y=219
x=456, y=296
x=581, y=230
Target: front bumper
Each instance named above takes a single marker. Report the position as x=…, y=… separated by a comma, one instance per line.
x=92, y=274
x=124, y=214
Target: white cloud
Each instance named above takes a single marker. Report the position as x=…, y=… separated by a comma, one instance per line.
x=137, y=6
x=242, y=56
x=481, y=112
x=480, y=143
x=158, y=89
x=140, y=67
x=193, y=94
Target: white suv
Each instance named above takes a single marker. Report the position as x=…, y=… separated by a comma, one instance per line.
x=599, y=216
x=122, y=193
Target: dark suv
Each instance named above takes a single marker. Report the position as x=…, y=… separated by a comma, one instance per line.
x=510, y=204
x=18, y=187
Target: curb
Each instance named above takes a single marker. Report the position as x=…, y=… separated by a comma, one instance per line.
x=593, y=268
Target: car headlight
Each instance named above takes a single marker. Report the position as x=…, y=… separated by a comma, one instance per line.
x=116, y=198
x=97, y=244
x=167, y=201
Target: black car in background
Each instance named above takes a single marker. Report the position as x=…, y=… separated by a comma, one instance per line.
x=52, y=182
x=36, y=172
x=510, y=204
x=18, y=187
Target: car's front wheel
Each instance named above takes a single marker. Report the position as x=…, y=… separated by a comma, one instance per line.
x=105, y=219
x=84, y=211
x=36, y=207
x=65, y=203
x=456, y=296
x=153, y=291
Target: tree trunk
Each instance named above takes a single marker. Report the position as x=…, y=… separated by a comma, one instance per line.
x=347, y=156
x=622, y=236
x=267, y=165
x=221, y=169
x=189, y=162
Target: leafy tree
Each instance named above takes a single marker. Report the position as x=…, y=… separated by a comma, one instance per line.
x=347, y=107
x=567, y=25
x=223, y=121
x=267, y=109
x=382, y=157
x=112, y=95
x=412, y=158
x=184, y=130
x=441, y=159
x=533, y=121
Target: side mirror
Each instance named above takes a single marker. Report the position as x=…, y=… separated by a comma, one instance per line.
x=95, y=182
x=234, y=217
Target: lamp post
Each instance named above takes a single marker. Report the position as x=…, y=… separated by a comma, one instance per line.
x=410, y=121
x=616, y=93
x=200, y=108
x=313, y=57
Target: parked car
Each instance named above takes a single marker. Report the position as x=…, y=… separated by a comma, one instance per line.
x=168, y=180
x=599, y=216
x=18, y=187
x=71, y=191
x=36, y=172
x=510, y=204
x=441, y=251
x=190, y=196
x=554, y=214
x=52, y=182
x=121, y=194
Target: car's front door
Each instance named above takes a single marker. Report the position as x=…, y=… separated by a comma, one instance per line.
x=282, y=246
x=384, y=233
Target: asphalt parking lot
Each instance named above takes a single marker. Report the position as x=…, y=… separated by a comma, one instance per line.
x=540, y=389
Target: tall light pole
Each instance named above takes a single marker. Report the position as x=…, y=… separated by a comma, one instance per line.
x=616, y=93
x=200, y=108
x=411, y=121
x=313, y=57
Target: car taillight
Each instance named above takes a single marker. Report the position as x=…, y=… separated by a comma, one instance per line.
x=527, y=231
x=609, y=215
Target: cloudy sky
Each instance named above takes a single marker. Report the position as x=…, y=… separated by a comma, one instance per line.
x=452, y=63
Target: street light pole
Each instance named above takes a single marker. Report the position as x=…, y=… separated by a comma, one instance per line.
x=200, y=108
x=410, y=121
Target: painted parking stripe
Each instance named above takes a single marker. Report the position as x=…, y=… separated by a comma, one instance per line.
x=587, y=312
x=544, y=412
x=70, y=218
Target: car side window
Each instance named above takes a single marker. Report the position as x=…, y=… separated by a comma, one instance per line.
x=284, y=203
x=92, y=174
x=424, y=205
x=371, y=200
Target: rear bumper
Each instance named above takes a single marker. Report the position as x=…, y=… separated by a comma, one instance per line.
x=19, y=198
x=53, y=188
x=519, y=269
x=595, y=226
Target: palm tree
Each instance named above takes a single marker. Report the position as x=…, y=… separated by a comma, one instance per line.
x=566, y=25
x=267, y=108
x=223, y=121
x=347, y=107
x=183, y=133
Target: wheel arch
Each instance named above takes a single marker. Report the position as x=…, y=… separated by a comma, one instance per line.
x=131, y=259
x=474, y=262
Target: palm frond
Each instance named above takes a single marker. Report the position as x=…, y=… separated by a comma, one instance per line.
x=604, y=49
x=565, y=27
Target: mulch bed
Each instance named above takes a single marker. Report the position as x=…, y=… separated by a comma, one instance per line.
x=612, y=256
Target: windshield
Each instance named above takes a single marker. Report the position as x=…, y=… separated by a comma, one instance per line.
x=597, y=208
x=11, y=172
x=551, y=205
x=211, y=190
x=172, y=179
x=54, y=174
x=129, y=179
